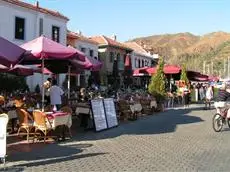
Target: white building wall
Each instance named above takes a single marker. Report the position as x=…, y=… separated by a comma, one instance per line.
x=136, y=56
x=8, y=12
x=88, y=46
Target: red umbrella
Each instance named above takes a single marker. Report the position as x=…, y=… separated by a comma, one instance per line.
x=168, y=69
x=172, y=69
x=128, y=70
x=10, y=54
x=213, y=78
x=137, y=72
x=196, y=76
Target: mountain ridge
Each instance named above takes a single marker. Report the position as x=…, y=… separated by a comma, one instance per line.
x=189, y=48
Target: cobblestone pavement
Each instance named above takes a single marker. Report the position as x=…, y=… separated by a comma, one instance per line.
x=175, y=140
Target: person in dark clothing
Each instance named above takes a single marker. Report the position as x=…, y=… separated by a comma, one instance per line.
x=223, y=95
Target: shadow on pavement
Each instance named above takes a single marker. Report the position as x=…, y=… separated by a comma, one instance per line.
x=48, y=154
x=164, y=122
x=56, y=160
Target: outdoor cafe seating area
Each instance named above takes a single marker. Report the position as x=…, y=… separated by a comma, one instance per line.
x=34, y=120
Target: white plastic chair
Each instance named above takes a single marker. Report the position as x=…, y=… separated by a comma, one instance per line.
x=3, y=125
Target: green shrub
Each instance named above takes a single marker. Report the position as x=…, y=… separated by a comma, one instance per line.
x=183, y=75
x=157, y=83
x=10, y=83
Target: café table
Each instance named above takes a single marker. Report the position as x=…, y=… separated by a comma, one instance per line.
x=59, y=119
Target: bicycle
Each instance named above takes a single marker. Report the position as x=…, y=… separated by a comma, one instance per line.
x=220, y=118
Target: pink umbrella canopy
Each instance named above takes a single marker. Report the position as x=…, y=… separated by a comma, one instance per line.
x=196, y=76
x=137, y=72
x=90, y=63
x=18, y=70
x=45, y=48
x=213, y=78
x=10, y=54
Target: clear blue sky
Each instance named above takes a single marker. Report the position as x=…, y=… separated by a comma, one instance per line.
x=134, y=18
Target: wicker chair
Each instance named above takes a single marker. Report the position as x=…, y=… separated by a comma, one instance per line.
x=146, y=107
x=18, y=103
x=69, y=111
x=41, y=123
x=25, y=121
x=2, y=100
x=124, y=110
x=48, y=108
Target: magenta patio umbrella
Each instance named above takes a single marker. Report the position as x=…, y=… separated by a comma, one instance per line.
x=44, y=50
x=10, y=54
x=128, y=72
x=93, y=64
x=90, y=63
x=18, y=70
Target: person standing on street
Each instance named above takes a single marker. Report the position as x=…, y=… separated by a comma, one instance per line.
x=56, y=95
x=47, y=86
x=209, y=97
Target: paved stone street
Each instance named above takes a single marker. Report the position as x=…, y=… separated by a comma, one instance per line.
x=175, y=140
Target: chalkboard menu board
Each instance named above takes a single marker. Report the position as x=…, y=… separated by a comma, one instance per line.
x=110, y=112
x=99, y=117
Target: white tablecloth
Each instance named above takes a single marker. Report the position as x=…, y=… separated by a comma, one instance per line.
x=83, y=110
x=58, y=119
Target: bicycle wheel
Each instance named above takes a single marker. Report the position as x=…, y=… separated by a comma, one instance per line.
x=228, y=121
x=217, y=122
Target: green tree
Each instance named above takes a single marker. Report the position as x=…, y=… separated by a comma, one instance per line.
x=157, y=84
x=183, y=75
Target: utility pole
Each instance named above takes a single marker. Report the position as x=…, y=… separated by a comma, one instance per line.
x=228, y=67
x=212, y=67
x=204, y=67
x=224, y=68
x=208, y=69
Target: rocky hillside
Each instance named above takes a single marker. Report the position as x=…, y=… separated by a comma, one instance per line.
x=191, y=49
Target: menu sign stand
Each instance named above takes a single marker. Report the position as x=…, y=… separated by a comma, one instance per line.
x=110, y=112
x=98, y=113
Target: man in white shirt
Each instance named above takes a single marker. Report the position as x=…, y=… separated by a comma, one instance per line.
x=55, y=95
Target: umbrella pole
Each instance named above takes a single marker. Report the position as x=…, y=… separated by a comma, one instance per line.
x=170, y=82
x=43, y=88
x=69, y=68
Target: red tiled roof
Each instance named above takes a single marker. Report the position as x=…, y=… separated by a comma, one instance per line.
x=103, y=40
x=99, y=39
x=136, y=47
x=77, y=36
x=36, y=8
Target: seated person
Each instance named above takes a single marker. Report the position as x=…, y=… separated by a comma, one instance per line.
x=83, y=96
x=223, y=96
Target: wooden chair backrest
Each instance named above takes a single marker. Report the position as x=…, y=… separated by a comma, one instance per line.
x=2, y=100
x=48, y=108
x=67, y=109
x=123, y=105
x=18, y=103
x=23, y=116
x=39, y=118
